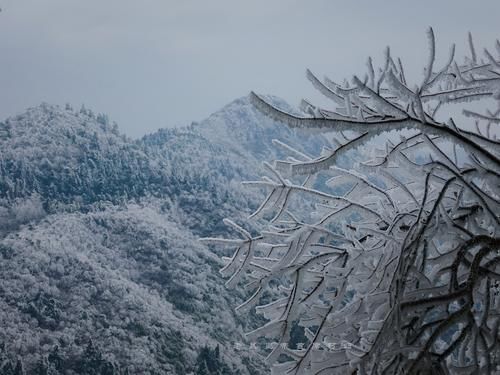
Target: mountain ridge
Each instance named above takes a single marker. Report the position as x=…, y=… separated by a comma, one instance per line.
x=88, y=210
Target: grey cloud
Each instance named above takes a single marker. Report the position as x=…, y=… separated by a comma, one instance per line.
x=157, y=63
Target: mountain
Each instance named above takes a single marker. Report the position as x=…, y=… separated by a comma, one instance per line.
x=128, y=279
x=240, y=128
x=101, y=271
x=70, y=158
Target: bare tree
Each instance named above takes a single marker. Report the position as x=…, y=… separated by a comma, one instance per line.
x=399, y=273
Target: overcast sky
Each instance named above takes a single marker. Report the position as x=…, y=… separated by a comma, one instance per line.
x=161, y=63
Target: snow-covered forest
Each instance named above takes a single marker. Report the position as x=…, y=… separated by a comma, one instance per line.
x=210, y=211
x=101, y=270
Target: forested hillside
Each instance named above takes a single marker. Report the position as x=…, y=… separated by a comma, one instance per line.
x=101, y=271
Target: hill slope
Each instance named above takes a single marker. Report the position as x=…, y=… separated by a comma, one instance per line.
x=99, y=263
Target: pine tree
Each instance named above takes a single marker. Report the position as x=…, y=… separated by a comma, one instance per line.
x=41, y=368
x=55, y=359
x=209, y=362
x=217, y=352
x=93, y=362
x=19, y=370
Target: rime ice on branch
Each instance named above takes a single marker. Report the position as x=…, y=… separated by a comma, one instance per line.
x=405, y=265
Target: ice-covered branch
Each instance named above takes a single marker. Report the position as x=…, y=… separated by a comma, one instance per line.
x=400, y=257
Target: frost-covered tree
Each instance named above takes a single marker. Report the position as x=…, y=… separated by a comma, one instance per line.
x=397, y=270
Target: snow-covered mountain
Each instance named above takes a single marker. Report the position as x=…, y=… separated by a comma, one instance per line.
x=242, y=129
x=100, y=269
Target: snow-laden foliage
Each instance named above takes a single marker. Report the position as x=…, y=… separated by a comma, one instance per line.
x=99, y=269
x=397, y=270
x=75, y=158
x=127, y=279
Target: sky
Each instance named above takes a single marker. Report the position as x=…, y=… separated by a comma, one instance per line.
x=151, y=64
